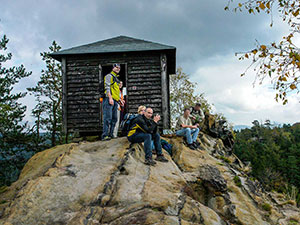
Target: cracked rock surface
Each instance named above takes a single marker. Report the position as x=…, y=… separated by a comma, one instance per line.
x=107, y=183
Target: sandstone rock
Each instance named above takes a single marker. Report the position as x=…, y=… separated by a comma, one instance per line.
x=107, y=183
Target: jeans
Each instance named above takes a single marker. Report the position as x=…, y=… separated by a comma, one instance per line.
x=147, y=139
x=110, y=117
x=116, y=129
x=190, y=134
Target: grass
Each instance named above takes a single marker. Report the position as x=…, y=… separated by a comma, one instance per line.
x=3, y=189
x=225, y=159
x=267, y=207
x=237, y=181
x=293, y=222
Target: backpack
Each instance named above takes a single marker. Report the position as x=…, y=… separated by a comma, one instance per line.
x=167, y=146
x=126, y=123
x=101, y=85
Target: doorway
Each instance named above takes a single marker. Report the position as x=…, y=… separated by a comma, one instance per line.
x=106, y=69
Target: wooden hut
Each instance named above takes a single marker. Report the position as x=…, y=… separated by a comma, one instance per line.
x=145, y=69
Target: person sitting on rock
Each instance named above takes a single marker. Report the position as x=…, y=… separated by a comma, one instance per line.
x=196, y=114
x=144, y=129
x=185, y=128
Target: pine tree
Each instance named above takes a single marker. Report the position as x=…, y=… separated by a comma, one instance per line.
x=48, y=93
x=14, y=137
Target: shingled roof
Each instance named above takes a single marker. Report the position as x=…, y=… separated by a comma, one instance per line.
x=116, y=44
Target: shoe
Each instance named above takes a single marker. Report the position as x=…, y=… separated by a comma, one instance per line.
x=106, y=138
x=191, y=146
x=161, y=158
x=150, y=162
x=196, y=146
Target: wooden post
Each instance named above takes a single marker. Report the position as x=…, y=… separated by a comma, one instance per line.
x=64, y=96
x=101, y=103
x=164, y=91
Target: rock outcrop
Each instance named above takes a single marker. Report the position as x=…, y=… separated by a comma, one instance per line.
x=108, y=183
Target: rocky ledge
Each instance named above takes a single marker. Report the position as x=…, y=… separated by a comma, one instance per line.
x=108, y=183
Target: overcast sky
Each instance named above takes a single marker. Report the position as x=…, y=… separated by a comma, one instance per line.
x=206, y=38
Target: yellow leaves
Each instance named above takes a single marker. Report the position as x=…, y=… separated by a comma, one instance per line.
x=271, y=56
x=268, y=5
x=296, y=13
x=293, y=86
x=246, y=55
x=263, y=47
x=283, y=79
x=262, y=6
x=254, y=51
x=240, y=5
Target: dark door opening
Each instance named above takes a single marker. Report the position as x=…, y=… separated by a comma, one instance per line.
x=106, y=69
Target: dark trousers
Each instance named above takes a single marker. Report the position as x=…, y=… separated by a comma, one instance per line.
x=147, y=138
x=110, y=117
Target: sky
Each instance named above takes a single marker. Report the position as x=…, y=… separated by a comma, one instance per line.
x=206, y=38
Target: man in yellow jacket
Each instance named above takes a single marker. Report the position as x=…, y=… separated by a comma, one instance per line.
x=110, y=102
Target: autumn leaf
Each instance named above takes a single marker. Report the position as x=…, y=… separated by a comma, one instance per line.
x=296, y=13
x=246, y=55
x=262, y=6
x=240, y=5
x=293, y=86
x=263, y=47
x=254, y=51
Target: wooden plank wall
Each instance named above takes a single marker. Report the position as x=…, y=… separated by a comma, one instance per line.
x=143, y=87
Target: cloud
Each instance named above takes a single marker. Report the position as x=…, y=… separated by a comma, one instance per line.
x=237, y=98
x=205, y=35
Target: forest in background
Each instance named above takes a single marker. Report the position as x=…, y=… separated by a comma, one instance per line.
x=274, y=155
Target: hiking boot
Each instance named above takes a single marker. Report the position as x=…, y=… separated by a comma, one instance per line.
x=106, y=138
x=161, y=158
x=150, y=162
x=197, y=143
x=191, y=146
x=196, y=146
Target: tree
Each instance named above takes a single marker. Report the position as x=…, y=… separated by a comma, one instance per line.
x=279, y=62
x=274, y=153
x=48, y=93
x=14, y=137
x=182, y=94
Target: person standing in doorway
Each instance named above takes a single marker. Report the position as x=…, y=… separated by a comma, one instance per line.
x=121, y=105
x=110, y=102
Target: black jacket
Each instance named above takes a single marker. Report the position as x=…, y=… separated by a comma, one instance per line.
x=142, y=125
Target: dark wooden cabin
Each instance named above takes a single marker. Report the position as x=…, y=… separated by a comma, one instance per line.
x=145, y=69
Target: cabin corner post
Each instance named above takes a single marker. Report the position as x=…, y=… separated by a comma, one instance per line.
x=164, y=91
x=100, y=103
x=64, y=95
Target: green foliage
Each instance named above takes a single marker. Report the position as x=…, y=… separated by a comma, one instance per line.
x=15, y=145
x=267, y=207
x=237, y=181
x=274, y=153
x=225, y=159
x=48, y=93
x=278, y=61
x=293, y=222
x=182, y=94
